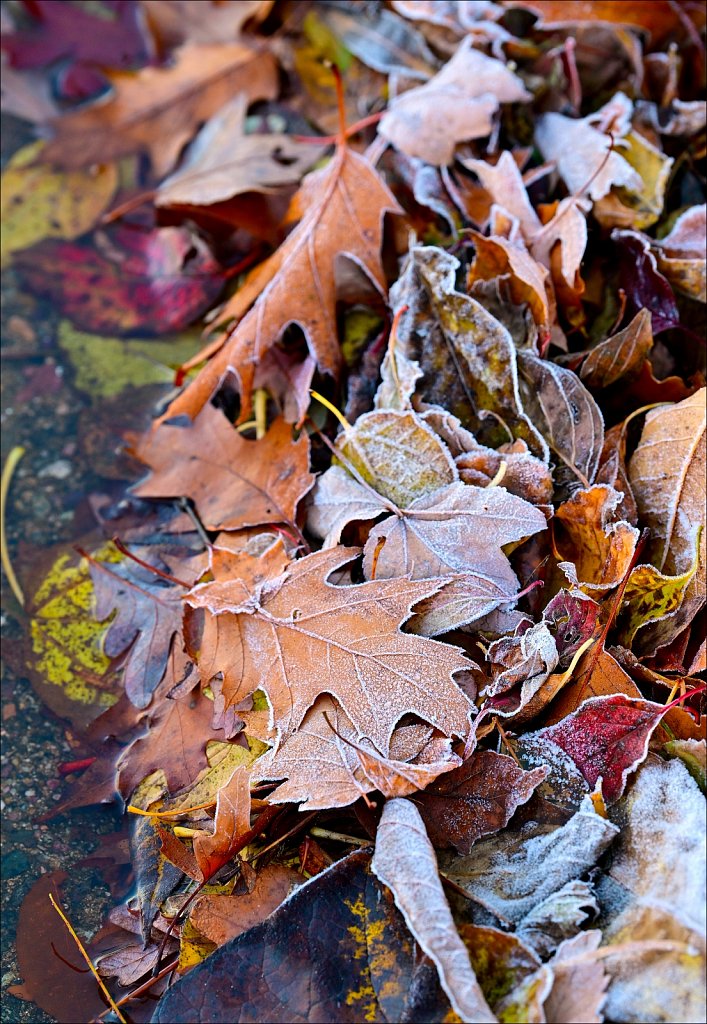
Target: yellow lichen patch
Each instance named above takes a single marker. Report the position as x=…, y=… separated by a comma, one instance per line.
x=66, y=641
x=39, y=201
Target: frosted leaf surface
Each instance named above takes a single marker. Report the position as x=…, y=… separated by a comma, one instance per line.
x=405, y=861
x=512, y=872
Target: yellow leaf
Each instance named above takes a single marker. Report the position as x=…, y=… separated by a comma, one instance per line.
x=42, y=202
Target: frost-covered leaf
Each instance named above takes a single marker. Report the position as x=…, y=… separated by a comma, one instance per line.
x=468, y=358
x=579, y=983
x=667, y=473
x=457, y=104
x=655, y=893
x=512, y=872
x=404, y=860
x=301, y=622
x=589, y=533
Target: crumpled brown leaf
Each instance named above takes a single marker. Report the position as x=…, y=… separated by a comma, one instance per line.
x=233, y=482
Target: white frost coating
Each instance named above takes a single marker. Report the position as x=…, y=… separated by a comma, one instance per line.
x=582, y=152
x=338, y=499
x=658, y=877
x=405, y=861
x=512, y=872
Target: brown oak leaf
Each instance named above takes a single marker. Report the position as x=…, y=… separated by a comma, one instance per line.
x=344, y=205
x=233, y=482
x=305, y=636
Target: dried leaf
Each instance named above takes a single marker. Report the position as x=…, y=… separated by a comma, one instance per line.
x=149, y=613
x=233, y=482
x=567, y=416
x=433, y=538
x=468, y=89
x=404, y=860
x=476, y=799
x=606, y=737
x=657, y=884
x=354, y=630
x=558, y=918
x=222, y=917
x=223, y=161
x=344, y=208
x=651, y=597
x=578, y=988
x=398, y=454
x=383, y=42
x=231, y=821
x=342, y=950
x=157, y=109
x=620, y=356
x=594, y=539
x=667, y=473
x=584, y=155
x=681, y=254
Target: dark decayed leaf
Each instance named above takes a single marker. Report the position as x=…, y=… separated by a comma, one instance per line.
x=127, y=281
x=155, y=876
x=476, y=799
x=338, y=949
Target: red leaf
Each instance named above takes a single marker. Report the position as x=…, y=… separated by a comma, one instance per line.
x=607, y=737
x=126, y=281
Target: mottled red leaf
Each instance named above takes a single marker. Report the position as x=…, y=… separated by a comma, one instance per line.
x=126, y=281
x=607, y=737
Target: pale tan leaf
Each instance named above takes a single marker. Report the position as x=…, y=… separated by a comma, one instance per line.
x=405, y=861
x=579, y=983
x=223, y=161
x=457, y=104
x=398, y=454
x=681, y=254
x=583, y=154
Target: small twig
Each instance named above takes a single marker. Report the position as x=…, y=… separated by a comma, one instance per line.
x=145, y=565
x=7, y=473
x=141, y=989
x=185, y=505
x=87, y=958
x=339, y=837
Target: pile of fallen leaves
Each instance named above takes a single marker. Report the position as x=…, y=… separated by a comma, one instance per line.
x=391, y=649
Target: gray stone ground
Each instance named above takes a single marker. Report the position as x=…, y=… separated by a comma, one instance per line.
x=40, y=411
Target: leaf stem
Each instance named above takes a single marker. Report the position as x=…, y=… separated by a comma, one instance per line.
x=7, y=474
